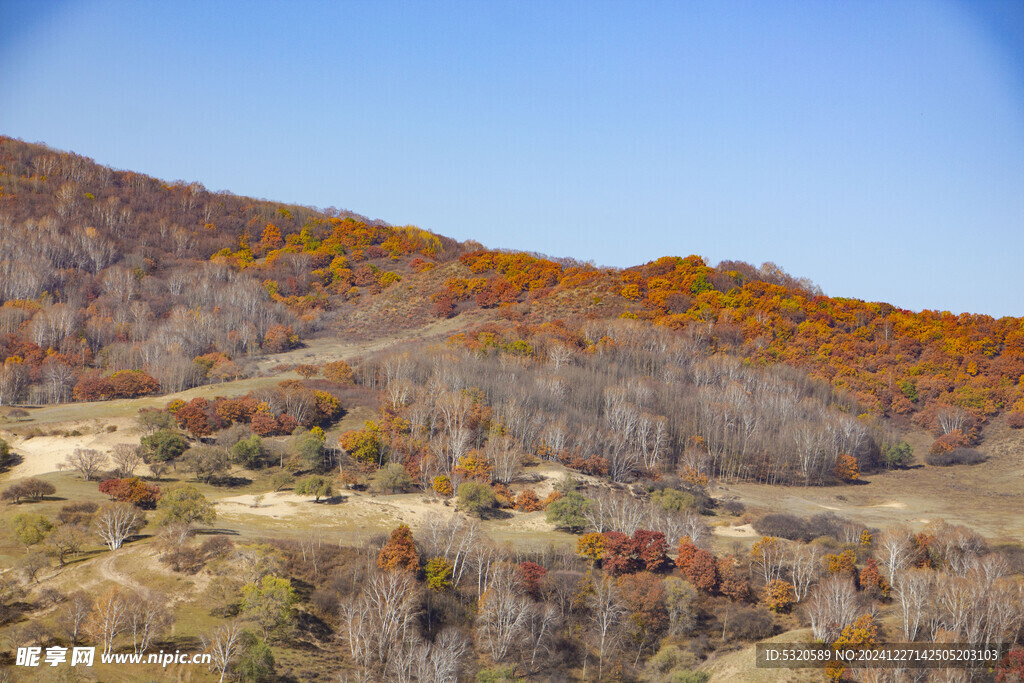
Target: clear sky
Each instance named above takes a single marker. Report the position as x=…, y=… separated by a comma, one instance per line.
x=874, y=147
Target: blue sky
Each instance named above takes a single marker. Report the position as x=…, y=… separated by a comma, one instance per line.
x=874, y=147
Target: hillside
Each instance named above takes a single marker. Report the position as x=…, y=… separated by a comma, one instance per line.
x=116, y=249
x=323, y=447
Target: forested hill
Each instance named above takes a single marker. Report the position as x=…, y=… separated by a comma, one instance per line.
x=130, y=283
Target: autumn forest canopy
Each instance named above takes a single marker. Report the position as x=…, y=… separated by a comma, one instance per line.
x=114, y=284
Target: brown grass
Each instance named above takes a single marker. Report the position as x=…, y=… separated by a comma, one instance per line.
x=987, y=497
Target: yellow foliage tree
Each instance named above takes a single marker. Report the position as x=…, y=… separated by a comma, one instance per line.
x=843, y=563
x=861, y=634
x=591, y=546
x=271, y=238
x=443, y=485
x=780, y=596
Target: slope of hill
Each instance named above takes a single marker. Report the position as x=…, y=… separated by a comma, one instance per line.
x=133, y=273
x=315, y=445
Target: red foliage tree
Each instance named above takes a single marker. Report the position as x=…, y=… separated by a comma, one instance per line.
x=231, y=410
x=1010, y=668
x=651, y=550
x=131, y=384
x=307, y=371
x=527, y=501
x=872, y=582
x=91, y=387
x=280, y=338
x=951, y=441
x=444, y=306
x=643, y=596
x=532, y=575
x=619, y=554
x=497, y=291
x=194, y=417
x=703, y=571
x=264, y=423
x=922, y=549
x=730, y=584
x=286, y=424
x=685, y=553
x=131, y=490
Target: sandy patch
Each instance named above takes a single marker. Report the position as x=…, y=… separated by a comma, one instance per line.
x=402, y=508
x=42, y=454
x=279, y=504
x=741, y=531
x=896, y=505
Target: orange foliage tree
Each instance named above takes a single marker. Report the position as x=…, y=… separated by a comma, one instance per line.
x=399, y=552
x=527, y=501
x=846, y=467
x=339, y=372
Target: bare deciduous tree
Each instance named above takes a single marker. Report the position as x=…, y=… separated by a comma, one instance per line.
x=832, y=605
x=768, y=557
x=108, y=618
x=440, y=661
x=223, y=645
x=502, y=617
x=680, y=599
x=86, y=461
x=560, y=588
x=958, y=546
x=116, y=522
x=67, y=539
x=559, y=355
x=127, y=458
x=896, y=549
x=72, y=616
x=505, y=456
x=391, y=603
x=13, y=381
x=804, y=564
x=541, y=623
x=147, y=618
x=357, y=631
x=58, y=378
x=452, y=537
x=615, y=511
x=606, y=613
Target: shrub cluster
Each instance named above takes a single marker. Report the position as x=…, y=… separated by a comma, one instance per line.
x=793, y=528
x=957, y=456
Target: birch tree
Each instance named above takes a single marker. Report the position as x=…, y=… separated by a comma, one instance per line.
x=116, y=522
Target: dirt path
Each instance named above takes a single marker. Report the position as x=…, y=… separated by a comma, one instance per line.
x=107, y=570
